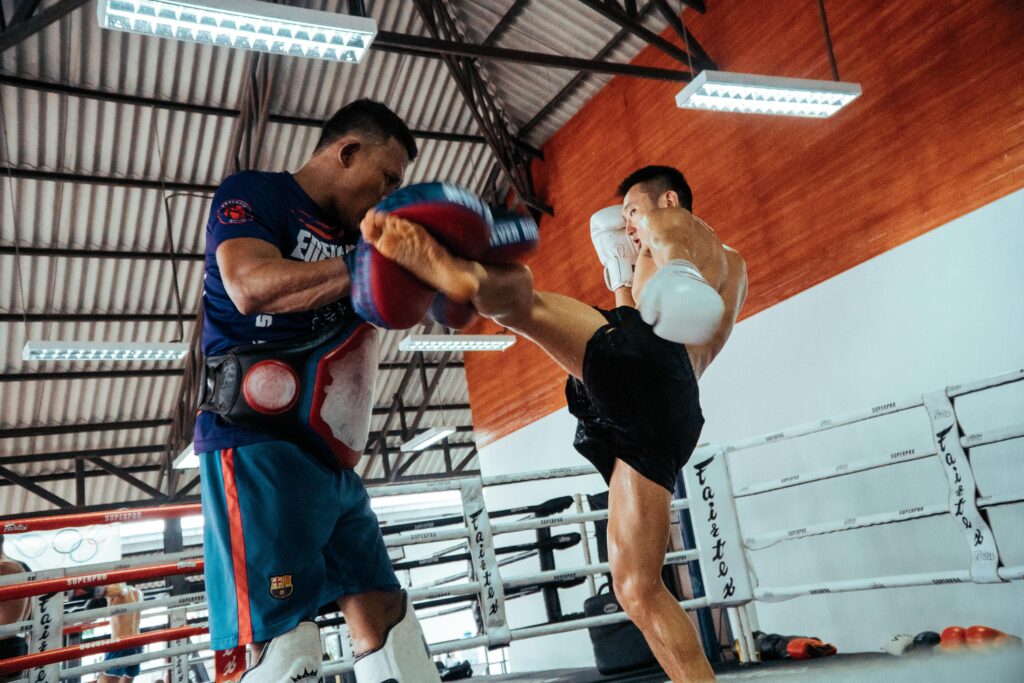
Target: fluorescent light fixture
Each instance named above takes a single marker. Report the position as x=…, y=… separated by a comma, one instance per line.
x=187, y=459
x=753, y=94
x=424, y=439
x=456, y=342
x=245, y=24
x=83, y=350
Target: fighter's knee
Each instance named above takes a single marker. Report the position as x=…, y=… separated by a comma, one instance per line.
x=635, y=591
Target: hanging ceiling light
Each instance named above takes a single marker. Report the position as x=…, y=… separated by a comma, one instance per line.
x=96, y=351
x=456, y=342
x=427, y=438
x=756, y=94
x=753, y=94
x=245, y=24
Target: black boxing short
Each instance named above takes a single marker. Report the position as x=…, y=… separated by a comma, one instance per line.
x=638, y=401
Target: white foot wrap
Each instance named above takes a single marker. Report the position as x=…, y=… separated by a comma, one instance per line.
x=293, y=656
x=403, y=658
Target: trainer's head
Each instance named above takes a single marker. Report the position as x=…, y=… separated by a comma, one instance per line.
x=361, y=156
x=653, y=187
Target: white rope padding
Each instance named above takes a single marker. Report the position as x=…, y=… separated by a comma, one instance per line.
x=841, y=470
x=992, y=436
x=778, y=594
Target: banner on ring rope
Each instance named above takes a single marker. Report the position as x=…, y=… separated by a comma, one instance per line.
x=70, y=547
x=963, y=492
x=485, y=564
x=47, y=632
x=229, y=665
x=713, y=512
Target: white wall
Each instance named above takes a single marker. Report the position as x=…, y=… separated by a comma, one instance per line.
x=945, y=308
x=545, y=444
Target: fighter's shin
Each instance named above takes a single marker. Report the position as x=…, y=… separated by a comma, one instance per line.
x=292, y=656
x=403, y=658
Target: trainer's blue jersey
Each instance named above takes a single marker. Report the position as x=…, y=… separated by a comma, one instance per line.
x=271, y=207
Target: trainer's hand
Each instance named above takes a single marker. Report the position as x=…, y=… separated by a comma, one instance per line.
x=614, y=248
x=680, y=304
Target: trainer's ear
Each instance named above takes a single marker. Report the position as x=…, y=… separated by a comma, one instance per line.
x=347, y=152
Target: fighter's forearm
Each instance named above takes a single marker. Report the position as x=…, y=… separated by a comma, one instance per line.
x=624, y=297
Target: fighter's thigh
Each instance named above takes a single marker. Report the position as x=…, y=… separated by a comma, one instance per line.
x=563, y=327
x=638, y=523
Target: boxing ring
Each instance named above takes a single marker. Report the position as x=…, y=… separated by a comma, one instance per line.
x=722, y=550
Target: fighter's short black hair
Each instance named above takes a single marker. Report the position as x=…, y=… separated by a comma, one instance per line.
x=659, y=179
x=370, y=118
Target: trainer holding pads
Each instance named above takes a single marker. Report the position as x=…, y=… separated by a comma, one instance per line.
x=288, y=523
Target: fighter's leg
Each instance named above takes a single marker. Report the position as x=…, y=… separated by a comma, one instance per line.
x=638, y=531
x=559, y=324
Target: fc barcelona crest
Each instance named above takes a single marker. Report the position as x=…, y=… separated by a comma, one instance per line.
x=281, y=586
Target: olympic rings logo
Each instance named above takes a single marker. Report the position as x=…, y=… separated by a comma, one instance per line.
x=78, y=545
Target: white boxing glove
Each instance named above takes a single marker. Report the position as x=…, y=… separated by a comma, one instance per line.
x=614, y=247
x=680, y=304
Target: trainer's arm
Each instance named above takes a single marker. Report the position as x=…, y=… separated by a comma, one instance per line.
x=259, y=280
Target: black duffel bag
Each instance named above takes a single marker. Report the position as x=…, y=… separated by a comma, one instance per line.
x=617, y=647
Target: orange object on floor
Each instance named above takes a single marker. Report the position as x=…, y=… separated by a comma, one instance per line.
x=809, y=648
x=953, y=637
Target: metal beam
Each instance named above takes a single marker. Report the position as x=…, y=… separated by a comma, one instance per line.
x=88, y=374
x=65, y=252
x=124, y=475
x=24, y=10
x=571, y=86
x=112, y=181
x=94, y=317
x=700, y=56
x=176, y=372
x=421, y=46
x=619, y=16
x=14, y=479
x=421, y=477
x=54, y=430
x=62, y=456
x=465, y=461
x=384, y=410
x=483, y=102
x=18, y=32
x=505, y=22
x=119, y=98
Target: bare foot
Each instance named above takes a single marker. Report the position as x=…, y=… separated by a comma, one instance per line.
x=412, y=247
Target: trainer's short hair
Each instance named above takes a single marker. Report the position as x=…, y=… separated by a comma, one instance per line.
x=656, y=180
x=370, y=118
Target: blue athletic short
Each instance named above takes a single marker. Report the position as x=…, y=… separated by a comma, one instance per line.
x=284, y=534
x=131, y=669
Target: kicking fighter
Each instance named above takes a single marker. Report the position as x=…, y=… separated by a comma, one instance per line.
x=632, y=371
x=288, y=526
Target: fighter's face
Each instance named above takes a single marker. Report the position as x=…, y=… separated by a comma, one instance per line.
x=368, y=172
x=635, y=205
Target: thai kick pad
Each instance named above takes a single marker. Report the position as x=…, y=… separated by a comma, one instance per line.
x=317, y=391
x=389, y=296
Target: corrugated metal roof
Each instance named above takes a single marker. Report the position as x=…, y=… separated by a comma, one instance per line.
x=94, y=139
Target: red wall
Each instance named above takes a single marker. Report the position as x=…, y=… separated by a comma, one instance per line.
x=938, y=132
